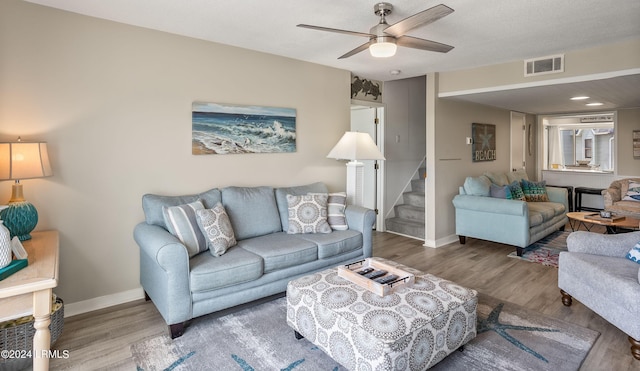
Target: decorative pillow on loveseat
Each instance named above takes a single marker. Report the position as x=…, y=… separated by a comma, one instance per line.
x=633, y=193
x=336, y=204
x=216, y=227
x=516, y=191
x=308, y=214
x=634, y=253
x=181, y=222
x=500, y=191
x=535, y=191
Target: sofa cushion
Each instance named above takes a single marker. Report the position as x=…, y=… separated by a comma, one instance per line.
x=499, y=179
x=152, y=204
x=308, y=214
x=336, y=204
x=335, y=243
x=281, y=250
x=216, y=227
x=541, y=212
x=534, y=191
x=281, y=198
x=181, y=222
x=517, y=176
x=207, y=272
x=477, y=186
x=252, y=210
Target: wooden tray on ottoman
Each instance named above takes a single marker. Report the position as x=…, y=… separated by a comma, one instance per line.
x=349, y=272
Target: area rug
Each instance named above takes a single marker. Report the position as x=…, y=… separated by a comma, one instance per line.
x=258, y=338
x=545, y=251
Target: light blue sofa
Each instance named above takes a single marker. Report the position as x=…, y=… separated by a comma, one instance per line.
x=596, y=272
x=512, y=222
x=265, y=259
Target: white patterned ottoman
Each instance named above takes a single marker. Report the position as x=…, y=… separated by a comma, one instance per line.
x=411, y=329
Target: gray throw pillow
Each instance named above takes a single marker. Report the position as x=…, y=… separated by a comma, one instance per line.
x=216, y=228
x=181, y=222
x=336, y=203
x=308, y=214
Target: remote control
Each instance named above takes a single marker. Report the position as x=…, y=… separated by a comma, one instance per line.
x=365, y=271
x=386, y=279
x=375, y=274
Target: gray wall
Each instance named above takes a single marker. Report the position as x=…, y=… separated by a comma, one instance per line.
x=114, y=103
x=405, y=120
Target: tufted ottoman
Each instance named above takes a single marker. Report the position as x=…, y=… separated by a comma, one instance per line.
x=411, y=329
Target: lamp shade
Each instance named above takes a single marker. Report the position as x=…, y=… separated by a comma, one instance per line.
x=355, y=146
x=24, y=160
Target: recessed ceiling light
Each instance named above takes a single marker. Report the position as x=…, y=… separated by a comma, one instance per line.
x=594, y=104
x=395, y=72
x=582, y=97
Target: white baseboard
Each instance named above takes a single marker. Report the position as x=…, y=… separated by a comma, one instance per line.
x=101, y=302
x=441, y=241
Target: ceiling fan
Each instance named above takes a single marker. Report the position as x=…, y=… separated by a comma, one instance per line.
x=384, y=38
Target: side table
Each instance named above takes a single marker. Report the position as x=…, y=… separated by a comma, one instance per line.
x=28, y=292
x=585, y=190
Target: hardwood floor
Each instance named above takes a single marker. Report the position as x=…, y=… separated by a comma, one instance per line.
x=101, y=339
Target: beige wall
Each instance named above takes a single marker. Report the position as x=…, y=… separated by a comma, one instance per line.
x=114, y=103
x=628, y=121
x=609, y=58
x=453, y=161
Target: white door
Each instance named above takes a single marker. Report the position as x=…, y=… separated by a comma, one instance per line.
x=363, y=119
x=518, y=131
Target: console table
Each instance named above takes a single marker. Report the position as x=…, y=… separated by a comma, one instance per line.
x=585, y=190
x=28, y=292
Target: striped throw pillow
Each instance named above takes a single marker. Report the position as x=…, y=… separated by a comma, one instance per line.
x=336, y=204
x=182, y=223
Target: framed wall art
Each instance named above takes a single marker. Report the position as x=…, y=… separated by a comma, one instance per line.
x=226, y=129
x=484, y=142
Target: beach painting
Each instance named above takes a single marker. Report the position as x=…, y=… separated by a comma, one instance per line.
x=227, y=129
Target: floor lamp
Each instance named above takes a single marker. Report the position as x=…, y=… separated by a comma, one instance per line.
x=355, y=146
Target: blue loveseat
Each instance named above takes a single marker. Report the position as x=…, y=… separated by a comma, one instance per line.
x=509, y=221
x=264, y=260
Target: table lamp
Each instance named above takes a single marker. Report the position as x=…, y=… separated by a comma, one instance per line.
x=355, y=146
x=18, y=161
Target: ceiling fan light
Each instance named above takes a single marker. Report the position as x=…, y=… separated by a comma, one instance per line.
x=383, y=47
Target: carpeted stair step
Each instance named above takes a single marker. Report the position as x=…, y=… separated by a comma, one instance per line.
x=414, y=198
x=410, y=212
x=406, y=227
x=417, y=185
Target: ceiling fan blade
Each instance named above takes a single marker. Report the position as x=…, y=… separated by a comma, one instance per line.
x=353, y=33
x=416, y=43
x=419, y=19
x=355, y=51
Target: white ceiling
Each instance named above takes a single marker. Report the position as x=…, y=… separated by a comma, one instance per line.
x=482, y=32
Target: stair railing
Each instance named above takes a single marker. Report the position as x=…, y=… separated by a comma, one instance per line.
x=408, y=185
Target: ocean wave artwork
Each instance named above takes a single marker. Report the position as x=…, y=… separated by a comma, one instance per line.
x=227, y=129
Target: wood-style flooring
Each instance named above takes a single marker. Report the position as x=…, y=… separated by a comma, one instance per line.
x=101, y=339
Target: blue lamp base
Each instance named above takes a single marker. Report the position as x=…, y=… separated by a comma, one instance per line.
x=20, y=218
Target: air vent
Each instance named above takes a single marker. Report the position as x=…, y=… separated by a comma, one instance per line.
x=544, y=65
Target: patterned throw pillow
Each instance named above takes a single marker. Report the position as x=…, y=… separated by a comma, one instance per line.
x=308, y=214
x=516, y=191
x=500, y=191
x=216, y=227
x=634, y=253
x=336, y=203
x=535, y=191
x=181, y=222
x=633, y=194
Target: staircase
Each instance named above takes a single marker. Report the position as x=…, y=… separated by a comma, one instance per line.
x=409, y=216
